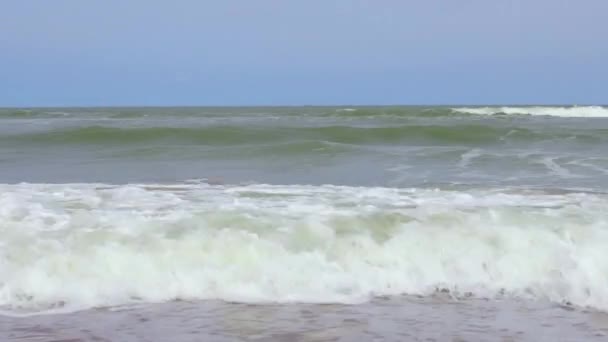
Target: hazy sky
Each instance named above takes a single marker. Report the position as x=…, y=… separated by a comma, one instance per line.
x=239, y=52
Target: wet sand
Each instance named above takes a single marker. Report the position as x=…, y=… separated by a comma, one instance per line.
x=387, y=319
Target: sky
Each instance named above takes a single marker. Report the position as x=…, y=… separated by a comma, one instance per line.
x=296, y=52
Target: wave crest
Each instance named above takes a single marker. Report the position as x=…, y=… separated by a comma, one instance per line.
x=568, y=112
x=239, y=135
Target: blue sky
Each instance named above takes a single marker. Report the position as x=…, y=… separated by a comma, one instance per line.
x=288, y=52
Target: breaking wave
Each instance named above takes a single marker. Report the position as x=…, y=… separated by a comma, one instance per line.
x=568, y=112
x=78, y=246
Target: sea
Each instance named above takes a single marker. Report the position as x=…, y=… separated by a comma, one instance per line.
x=395, y=223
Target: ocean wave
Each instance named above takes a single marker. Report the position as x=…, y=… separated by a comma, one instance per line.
x=240, y=135
x=22, y=113
x=78, y=246
x=387, y=112
x=135, y=113
x=574, y=112
x=290, y=113
x=280, y=149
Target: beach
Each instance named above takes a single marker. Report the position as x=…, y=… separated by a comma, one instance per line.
x=450, y=223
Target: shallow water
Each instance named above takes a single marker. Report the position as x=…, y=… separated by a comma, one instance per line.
x=437, y=318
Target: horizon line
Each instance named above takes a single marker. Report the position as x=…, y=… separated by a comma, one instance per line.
x=309, y=105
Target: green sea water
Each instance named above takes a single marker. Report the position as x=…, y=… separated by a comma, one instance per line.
x=361, y=146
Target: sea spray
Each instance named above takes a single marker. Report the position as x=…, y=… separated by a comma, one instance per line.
x=78, y=246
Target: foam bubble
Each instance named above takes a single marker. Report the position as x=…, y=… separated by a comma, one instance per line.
x=79, y=246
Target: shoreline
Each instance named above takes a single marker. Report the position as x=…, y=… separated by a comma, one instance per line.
x=438, y=318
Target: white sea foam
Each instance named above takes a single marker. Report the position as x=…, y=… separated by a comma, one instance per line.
x=84, y=245
x=467, y=157
x=575, y=111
